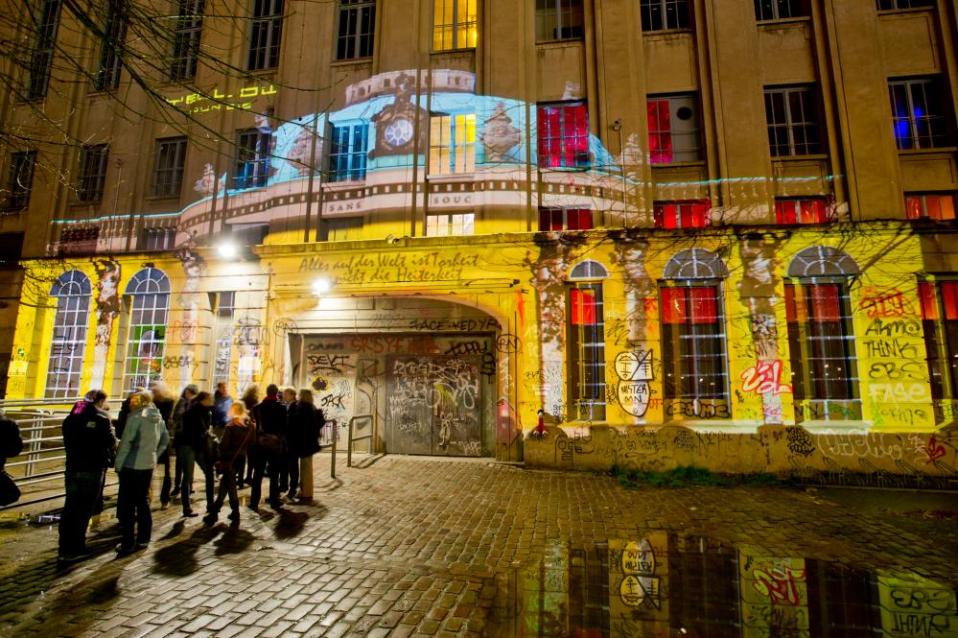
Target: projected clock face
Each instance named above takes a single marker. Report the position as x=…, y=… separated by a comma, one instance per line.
x=398, y=133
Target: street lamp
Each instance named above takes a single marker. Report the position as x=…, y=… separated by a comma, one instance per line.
x=227, y=249
x=321, y=285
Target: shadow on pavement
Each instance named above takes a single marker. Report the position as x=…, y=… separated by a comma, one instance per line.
x=233, y=541
x=179, y=559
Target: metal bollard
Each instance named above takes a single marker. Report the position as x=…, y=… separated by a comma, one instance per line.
x=349, y=444
x=332, y=461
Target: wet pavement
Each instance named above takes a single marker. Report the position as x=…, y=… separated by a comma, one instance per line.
x=429, y=547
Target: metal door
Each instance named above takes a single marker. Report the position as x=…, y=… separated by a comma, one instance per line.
x=433, y=405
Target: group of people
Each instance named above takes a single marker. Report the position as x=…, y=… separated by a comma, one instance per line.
x=240, y=441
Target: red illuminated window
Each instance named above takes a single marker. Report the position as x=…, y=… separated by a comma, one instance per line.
x=565, y=219
x=693, y=342
x=673, y=129
x=937, y=206
x=821, y=342
x=939, y=313
x=587, y=351
x=684, y=214
x=563, y=135
x=809, y=210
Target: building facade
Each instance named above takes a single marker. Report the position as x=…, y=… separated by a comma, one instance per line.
x=667, y=230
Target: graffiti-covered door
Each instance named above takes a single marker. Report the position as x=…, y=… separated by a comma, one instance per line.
x=433, y=405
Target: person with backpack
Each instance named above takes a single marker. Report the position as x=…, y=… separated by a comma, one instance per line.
x=305, y=423
x=144, y=439
x=194, y=444
x=269, y=450
x=237, y=438
x=89, y=444
x=11, y=444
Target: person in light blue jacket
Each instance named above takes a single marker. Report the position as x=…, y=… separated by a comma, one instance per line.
x=144, y=438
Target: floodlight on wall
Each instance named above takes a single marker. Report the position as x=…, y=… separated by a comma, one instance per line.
x=227, y=249
x=321, y=285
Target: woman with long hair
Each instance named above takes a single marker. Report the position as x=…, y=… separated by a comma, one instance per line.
x=237, y=436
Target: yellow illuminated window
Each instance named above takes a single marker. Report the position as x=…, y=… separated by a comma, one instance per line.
x=454, y=25
x=452, y=144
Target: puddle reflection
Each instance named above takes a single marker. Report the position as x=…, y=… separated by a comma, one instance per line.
x=663, y=584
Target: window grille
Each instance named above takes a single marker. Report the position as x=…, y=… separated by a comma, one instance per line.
x=559, y=20
x=444, y=224
x=41, y=59
x=72, y=291
x=186, y=40
x=347, y=155
x=111, y=48
x=792, y=117
x=587, y=351
x=168, y=163
x=674, y=129
x=452, y=144
x=265, y=35
x=93, y=165
x=20, y=180
x=663, y=15
x=563, y=135
x=455, y=25
x=149, y=292
x=918, y=113
x=357, y=24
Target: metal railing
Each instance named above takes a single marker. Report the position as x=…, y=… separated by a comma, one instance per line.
x=366, y=419
x=38, y=469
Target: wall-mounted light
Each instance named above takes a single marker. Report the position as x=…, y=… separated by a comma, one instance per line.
x=321, y=285
x=227, y=249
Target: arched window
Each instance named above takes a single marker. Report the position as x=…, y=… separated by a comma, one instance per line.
x=821, y=339
x=149, y=291
x=72, y=291
x=693, y=335
x=586, y=330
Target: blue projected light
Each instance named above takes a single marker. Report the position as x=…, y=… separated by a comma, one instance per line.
x=901, y=130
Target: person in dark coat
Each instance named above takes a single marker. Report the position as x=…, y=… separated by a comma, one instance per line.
x=244, y=474
x=305, y=423
x=238, y=435
x=289, y=471
x=193, y=440
x=176, y=426
x=163, y=401
x=89, y=445
x=11, y=445
x=221, y=406
x=268, y=454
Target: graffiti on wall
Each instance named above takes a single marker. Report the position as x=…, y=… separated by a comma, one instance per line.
x=107, y=310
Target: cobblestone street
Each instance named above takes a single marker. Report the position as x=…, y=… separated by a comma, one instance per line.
x=415, y=546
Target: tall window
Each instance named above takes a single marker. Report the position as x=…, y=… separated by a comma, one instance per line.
x=111, y=49
x=452, y=144
x=342, y=228
x=937, y=206
x=894, y=5
x=445, y=224
x=792, y=117
x=563, y=135
x=225, y=306
x=939, y=314
x=559, y=20
x=265, y=35
x=693, y=341
x=662, y=15
x=455, y=25
x=168, y=164
x=790, y=211
x=692, y=213
x=821, y=342
x=919, y=108
x=152, y=239
x=93, y=164
x=20, y=180
x=41, y=59
x=357, y=24
x=586, y=330
x=780, y=9
x=565, y=219
x=149, y=292
x=252, y=158
x=72, y=292
x=186, y=40
x=347, y=155
x=674, y=129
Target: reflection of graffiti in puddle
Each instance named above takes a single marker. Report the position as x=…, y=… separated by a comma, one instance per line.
x=665, y=584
